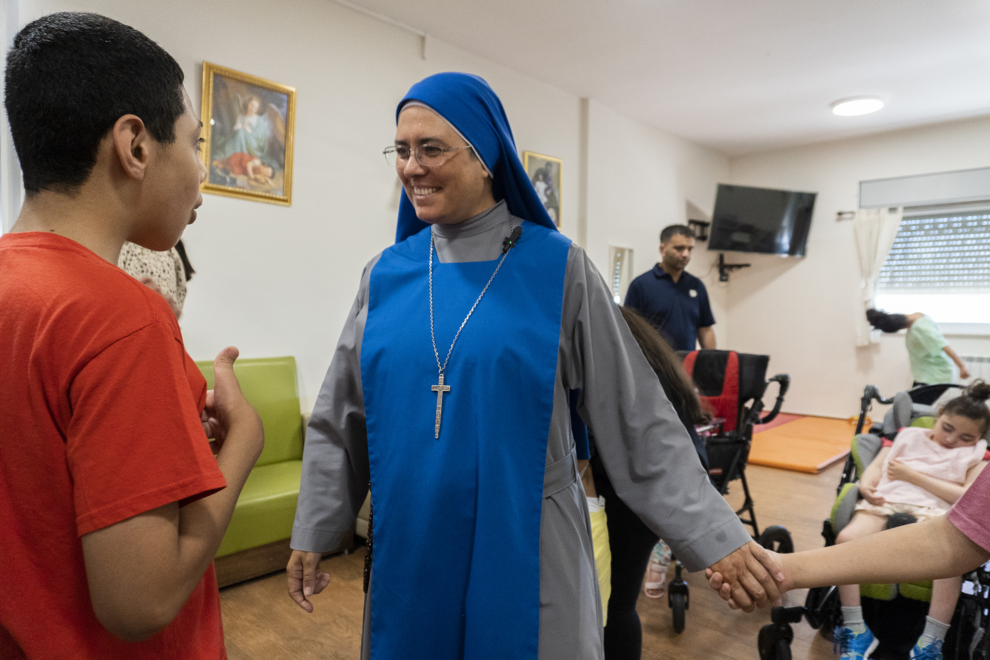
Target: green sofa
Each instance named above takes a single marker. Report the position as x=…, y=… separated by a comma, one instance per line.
x=257, y=539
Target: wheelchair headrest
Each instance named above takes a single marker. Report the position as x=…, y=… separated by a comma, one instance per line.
x=899, y=414
x=710, y=367
x=903, y=413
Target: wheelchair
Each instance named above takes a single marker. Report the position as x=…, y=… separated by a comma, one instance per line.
x=895, y=613
x=732, y=386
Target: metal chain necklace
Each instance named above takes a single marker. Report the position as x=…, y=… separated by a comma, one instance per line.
x=440, y=388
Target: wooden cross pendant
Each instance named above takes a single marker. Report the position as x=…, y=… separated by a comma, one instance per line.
x=440, y=389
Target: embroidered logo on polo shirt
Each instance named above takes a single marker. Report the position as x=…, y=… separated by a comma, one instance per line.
x=694, y=293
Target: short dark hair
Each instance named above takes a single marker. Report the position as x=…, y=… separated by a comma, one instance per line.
x=70, y=77
x=675, y=230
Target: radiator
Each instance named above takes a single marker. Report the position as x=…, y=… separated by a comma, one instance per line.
x=978, y=365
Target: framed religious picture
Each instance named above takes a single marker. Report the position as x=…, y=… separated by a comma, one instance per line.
x=248, y=125
x=544, y=172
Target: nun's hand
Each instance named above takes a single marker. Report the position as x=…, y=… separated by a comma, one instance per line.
x=305, y=578
x=744, y=579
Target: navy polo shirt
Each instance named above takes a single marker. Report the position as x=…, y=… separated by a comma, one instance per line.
x=677, y=310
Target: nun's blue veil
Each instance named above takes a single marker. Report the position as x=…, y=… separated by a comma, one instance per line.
x=471, y=106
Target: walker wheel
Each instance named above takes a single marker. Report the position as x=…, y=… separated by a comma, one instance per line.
x=776, y=538
x=679, y=604
x=821, y=605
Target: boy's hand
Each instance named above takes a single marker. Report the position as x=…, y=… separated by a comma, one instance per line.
x=305, y=578
x=226, y=406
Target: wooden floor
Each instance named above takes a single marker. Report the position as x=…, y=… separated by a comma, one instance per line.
x=262, y=623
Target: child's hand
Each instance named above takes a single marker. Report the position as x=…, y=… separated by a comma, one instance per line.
x=869, y=493
x=897, y=471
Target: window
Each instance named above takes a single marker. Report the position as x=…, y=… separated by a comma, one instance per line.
x=939, y=264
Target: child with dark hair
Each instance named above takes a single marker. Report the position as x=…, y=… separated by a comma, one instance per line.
x=631, y=542
x=927, y=348
x=922, y=474
x=112, y=504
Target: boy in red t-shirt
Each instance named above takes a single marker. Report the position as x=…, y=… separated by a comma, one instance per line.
x=111, y=502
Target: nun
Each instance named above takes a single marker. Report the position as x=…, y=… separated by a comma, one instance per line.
x=450, y=392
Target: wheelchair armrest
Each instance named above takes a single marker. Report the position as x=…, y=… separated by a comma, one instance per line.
x=783, y=382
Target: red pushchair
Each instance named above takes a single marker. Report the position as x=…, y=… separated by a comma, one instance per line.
x=732, y=386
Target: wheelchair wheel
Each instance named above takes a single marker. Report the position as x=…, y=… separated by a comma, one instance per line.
x=776, y=538
x=774, y=642
x=678, y=604
x=821, y=606
x=765, y=642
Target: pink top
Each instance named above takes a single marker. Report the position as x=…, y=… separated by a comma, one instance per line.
x=971, y=514
x=915, y=448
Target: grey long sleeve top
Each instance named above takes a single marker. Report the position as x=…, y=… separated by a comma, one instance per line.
x=643, y=445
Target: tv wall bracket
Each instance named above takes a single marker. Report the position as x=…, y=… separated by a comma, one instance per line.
x=724, y=269
x=700, y=229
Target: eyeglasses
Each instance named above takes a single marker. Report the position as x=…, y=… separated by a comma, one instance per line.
x=427, y=155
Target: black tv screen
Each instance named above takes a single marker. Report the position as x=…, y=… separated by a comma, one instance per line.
x=761, y=220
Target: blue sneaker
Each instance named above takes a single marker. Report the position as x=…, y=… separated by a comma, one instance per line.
x=854, y=646
x=931, y=652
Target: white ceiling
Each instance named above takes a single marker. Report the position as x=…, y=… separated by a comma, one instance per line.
x=739, y=76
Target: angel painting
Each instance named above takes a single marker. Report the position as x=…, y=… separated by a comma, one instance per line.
x=250, y=144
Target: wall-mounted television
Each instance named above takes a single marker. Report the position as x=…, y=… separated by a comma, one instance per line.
x=761, y=220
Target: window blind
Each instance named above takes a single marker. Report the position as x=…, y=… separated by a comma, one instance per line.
x=946, y=253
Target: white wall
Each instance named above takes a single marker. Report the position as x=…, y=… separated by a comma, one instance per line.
x=801, y=311
x=641, y=180
x=279, y=281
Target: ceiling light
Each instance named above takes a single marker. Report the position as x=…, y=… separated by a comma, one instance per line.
x=861, y=105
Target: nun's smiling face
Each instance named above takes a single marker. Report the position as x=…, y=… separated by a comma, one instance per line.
x=454, y=191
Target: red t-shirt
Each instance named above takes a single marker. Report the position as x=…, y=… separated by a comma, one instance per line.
x=99, y=405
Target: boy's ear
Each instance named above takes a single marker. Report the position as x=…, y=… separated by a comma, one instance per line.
x=131, y=142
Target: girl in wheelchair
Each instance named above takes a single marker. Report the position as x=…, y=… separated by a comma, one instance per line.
x=921, y=475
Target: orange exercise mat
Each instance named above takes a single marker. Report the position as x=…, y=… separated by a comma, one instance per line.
x=806, y=444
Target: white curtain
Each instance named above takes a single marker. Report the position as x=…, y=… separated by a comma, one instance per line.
x=875, y=230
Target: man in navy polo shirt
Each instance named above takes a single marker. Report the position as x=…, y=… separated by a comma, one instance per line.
x=672, y=299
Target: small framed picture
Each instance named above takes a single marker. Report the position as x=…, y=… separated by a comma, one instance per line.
x=544, y=172
x=248, y=126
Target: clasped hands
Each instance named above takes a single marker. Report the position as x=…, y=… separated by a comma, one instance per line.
x=748, y=578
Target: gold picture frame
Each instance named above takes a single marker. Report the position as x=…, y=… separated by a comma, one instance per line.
x=248, y=131
x=544, y=173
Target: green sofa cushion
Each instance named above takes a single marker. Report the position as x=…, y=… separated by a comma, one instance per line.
x=266, y=508
x=270, y=385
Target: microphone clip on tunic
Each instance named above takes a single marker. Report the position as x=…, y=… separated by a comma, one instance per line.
x=512, y=239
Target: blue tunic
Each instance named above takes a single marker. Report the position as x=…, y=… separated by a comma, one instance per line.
x=482, y=480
